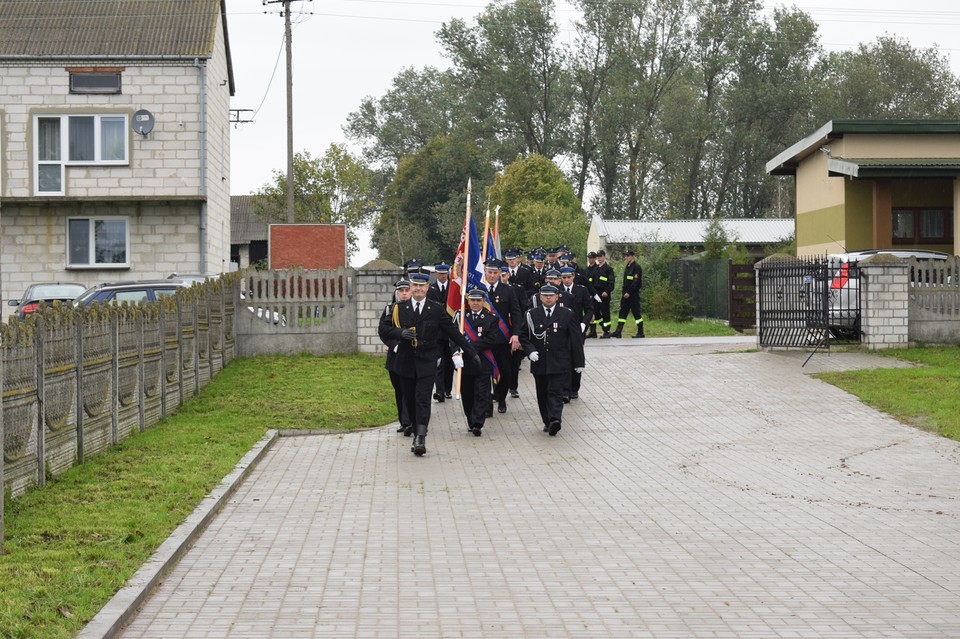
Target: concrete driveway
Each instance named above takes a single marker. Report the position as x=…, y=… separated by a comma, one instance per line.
x=694, y=491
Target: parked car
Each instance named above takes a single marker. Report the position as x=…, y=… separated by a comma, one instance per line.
x=845, y=284
x=133, y=291
x=191, y=278
x=45, y=293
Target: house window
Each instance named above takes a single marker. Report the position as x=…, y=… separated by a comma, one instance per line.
x=63, y=140
x=99, y=241
x=95, y=82
x=922, y=225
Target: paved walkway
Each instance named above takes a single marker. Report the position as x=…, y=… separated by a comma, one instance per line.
x=694, y=491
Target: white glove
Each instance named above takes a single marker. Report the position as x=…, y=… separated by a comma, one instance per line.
x=596, y=297
x=534, y=356
x=457, y=361
x=439, y=361
x=583, y=327
x=396, y=349
x=578, y=370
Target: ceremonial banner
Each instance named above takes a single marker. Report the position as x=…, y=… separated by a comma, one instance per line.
x=473, y=269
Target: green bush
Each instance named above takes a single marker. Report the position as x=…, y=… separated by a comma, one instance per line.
x=664, y=300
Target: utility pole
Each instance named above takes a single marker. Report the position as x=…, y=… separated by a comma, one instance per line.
x=288, y=39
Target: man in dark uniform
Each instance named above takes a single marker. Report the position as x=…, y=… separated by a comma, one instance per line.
x=579, y=301
x=517, y=356
x=590, y=274
x=606, y=282
x=401, y=294
x=438, y=292
x=630, y=295
x=483, y=330
x=553, y=342
x=503, y=299
x=520, y=274
x=417, y=323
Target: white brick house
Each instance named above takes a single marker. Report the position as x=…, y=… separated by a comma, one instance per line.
x=83, y=196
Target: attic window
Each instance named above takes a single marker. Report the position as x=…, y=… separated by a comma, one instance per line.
x=96, y=82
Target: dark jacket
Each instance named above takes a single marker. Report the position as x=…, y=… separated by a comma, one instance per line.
x=632, y=278
x=558, y=342
x=420, y=360
x=505, y=300
x=580, y=302
x=487, y=329
x=606, y=279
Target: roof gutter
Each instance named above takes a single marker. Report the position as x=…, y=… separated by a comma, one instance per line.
x=60, y=57
x=203, y=164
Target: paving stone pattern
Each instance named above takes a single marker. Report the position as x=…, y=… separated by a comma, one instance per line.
x=694, y=491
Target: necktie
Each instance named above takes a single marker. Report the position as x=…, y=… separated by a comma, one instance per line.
x=513, y=272
x=548, y=313
x=416, y=308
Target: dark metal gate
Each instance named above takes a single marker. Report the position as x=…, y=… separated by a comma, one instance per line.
x=742, y=285
x=806, y=302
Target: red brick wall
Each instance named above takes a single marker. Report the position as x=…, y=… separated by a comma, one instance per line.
x=308, y=245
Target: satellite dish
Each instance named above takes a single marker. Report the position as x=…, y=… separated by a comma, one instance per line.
x=142, y=122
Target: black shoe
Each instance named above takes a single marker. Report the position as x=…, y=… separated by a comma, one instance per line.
x=419, y=446
x=475, y=429
x=566, y=399
x=575, y=396
x=408, y=431
x=401, y=428
x=501, y=406
x=546, y=428
x=554, y=427
x=438, y=397
x=606, y=335
x=448, y=395
x=514, y=394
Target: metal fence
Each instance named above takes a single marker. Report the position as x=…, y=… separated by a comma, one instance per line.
x=705, y=284
x=793, y=303
x=77, y=381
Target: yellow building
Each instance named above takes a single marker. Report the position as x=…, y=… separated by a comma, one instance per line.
x=864, y=184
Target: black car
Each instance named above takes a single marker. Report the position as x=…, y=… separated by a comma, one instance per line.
x=45, y=293
x=133, y=291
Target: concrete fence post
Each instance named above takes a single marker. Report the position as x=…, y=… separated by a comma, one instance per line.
x=375, y=286
x=884, y=302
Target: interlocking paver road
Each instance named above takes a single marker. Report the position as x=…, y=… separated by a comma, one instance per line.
x=694, y=491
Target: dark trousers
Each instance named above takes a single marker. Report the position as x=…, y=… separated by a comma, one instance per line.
x=630, y=305
x=445, y=369
x=604, y=312
x=403, y=416
x=418, y=397
x=551, y=389
x=502, y=355
x=516, y=359
x=475, y=398
x=575, y=378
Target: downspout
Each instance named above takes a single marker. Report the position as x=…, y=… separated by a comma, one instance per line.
x=203, y=165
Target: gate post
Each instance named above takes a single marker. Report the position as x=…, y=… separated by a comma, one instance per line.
x=375, y=287
x=884, y=302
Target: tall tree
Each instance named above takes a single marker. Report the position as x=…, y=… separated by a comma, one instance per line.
x=425, y=202
x=887, y=78
x=537, y=205
x=332, y=189
x=420, y=104
x=516, y=73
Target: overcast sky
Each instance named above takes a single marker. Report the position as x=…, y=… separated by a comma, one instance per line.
x=345, y=50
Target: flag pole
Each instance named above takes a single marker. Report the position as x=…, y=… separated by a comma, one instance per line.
x=486, y=232
x=464, y=271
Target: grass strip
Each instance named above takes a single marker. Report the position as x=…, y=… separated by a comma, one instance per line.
x=925, y=396
x=74, y=542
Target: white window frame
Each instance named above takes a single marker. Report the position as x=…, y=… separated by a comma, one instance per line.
x=92, y=242
x=63, y=159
